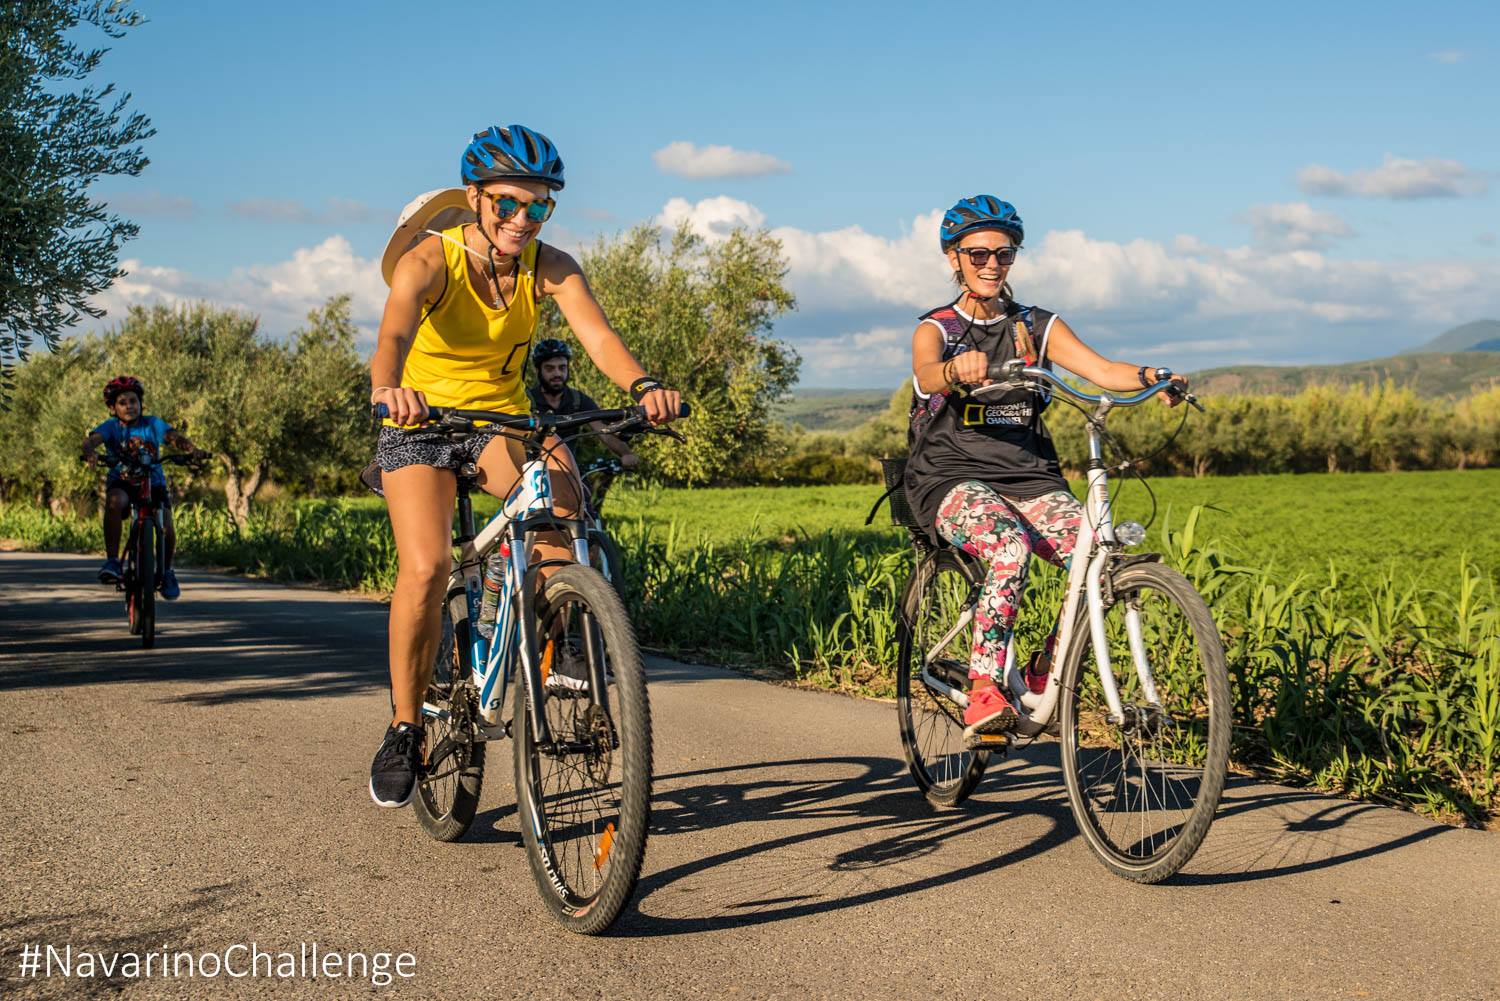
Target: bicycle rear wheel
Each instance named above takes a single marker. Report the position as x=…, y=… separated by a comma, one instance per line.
x=145, y=582
x=931, y=724
x=451, y=779
x=585, y=802
x=1144, y=788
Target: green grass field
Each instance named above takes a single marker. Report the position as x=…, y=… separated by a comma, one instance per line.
x=1412, y=523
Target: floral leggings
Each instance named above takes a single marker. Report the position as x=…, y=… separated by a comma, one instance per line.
x=1004, y=533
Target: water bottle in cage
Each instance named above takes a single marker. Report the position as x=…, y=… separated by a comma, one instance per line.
x=495, y=569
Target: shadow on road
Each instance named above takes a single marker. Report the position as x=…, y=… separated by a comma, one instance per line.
x=64, y=630
x=853, y=830
x=857, y=832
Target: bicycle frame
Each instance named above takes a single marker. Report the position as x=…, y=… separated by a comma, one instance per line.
x=492, y=661
x=1094, y=544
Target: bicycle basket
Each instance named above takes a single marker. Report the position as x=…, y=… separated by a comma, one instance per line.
x=894, y=472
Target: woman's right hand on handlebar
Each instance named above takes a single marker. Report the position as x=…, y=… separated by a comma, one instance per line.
x=970, y=368
x=407, y=407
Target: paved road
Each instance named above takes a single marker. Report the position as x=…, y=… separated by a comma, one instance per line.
x=212, y=792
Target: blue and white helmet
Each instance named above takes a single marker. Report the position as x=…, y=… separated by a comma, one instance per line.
x=515, y=153
x=980, y=212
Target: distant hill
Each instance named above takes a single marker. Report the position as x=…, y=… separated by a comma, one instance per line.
x=832, y=409
x=1445, y=374
x=1481, y=335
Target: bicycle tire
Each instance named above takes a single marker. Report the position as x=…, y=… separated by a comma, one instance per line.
x=145, y=582
x=1114, y=768
x=612, y=565
x=448, y=798
x=563, y=845
x=931, y=726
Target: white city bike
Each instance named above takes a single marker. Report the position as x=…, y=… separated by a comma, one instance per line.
x=1138, y=691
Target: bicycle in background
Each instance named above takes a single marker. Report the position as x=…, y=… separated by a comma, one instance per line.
x=143, y=552
x=1144, y=751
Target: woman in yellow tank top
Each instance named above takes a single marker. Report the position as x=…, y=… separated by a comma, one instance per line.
x=457, y=332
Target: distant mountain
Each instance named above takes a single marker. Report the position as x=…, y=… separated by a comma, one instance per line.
x=1481, y=335
x=832, y=409
x=1447, y=374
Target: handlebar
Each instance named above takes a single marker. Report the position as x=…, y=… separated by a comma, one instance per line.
x=1016, y=370
x=465, y=419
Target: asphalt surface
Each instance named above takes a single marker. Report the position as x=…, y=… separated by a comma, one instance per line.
x=212, y=792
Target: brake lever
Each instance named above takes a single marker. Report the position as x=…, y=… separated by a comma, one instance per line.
x=669, y=432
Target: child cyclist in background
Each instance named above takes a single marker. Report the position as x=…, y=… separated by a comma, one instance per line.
x=128, y=429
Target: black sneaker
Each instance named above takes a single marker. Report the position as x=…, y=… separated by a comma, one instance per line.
x=570, y=673
x=393, y=773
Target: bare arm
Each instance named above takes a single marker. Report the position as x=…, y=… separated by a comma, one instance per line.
x=563, y=280
x=177, y=439
x=935, y=375
x=617, y=445
x=1064, y=347
x=419, y=279
x=91, y=441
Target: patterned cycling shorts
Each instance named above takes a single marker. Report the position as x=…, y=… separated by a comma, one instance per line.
x=398, y=448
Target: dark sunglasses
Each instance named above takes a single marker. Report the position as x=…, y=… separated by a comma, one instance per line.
x=980, y=256
x=506, y=206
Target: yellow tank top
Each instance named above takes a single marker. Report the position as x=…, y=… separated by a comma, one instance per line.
x=468, y=354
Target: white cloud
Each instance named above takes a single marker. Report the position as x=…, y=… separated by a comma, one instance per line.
x=1396, y=178
x=706, y=162
x=830, y=361
x=281, y=293
x=1449, y=56
x=712, y=218
x=1295, y=226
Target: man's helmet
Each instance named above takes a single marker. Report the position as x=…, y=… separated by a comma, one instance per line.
x=513, y=154
x=123, y=384
x=550, y=348
x=980, y=212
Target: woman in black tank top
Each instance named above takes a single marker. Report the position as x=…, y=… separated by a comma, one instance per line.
x=984, y=476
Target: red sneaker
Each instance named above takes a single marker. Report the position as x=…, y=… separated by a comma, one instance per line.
x=988, y=712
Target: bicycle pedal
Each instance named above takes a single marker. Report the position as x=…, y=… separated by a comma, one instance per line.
x=988, y=742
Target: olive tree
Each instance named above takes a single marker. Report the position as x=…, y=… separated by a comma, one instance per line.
x=698, y=315
x=59, y=247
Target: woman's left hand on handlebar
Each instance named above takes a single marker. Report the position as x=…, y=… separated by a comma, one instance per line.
x=662, y=405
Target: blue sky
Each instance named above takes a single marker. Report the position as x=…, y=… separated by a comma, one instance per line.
x=1273, y=183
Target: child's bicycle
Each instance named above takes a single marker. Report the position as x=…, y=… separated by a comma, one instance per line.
x=143, y=554
x=580, y=715
x=1145, y=752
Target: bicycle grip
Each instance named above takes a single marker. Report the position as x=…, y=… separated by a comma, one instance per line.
x=381, y=412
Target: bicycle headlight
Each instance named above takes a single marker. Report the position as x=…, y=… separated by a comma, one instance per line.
x=1130, y=533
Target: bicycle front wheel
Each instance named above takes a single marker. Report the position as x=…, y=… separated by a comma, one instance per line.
x=453, y=773
x=584, y=801
x=939, y=592
x=1144, y=785
x=145, y=582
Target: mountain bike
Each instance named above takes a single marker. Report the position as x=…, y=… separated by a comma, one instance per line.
x=1144, y=751
x=579, y=712
x=143, y=553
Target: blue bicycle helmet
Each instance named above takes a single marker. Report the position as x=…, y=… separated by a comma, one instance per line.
x=515, y=153
x=980, y=212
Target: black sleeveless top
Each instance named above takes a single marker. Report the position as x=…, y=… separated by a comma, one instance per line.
x=1000, y=440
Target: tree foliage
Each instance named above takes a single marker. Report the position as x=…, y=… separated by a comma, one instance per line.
x=698, y=315
x=292, y=412
x=58, y=246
